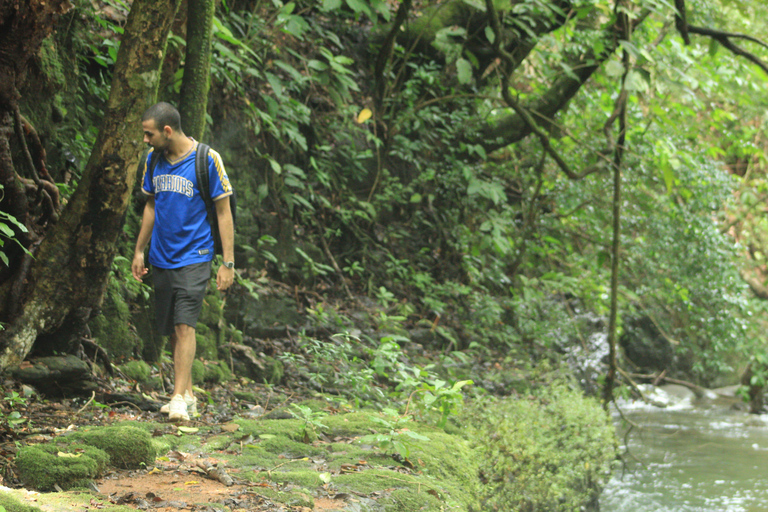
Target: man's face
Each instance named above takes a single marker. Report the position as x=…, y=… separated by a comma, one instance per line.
x=154, y=137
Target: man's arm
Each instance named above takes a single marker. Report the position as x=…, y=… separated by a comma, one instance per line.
x=138, y=267
x=225, y=276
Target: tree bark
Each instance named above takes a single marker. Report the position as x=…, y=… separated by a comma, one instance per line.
x=23, y=26
x=69, y=276
x=197, y=67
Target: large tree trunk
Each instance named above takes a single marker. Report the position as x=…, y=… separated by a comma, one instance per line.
x=23, y=26
x=197, y=67
x=69, y=275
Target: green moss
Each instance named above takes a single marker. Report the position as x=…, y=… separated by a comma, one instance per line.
x=50, y=64
x=407, y=501
x=289, y=448
x=350, y=425
x=548, y=453
x=292, y=498
x=136, y=370
x=307, y=479
x=375, y=480
x=246, y=396
x=11, y=504
x=219, y=442
x=128, y=447
x=292, y=429
x=217, y=372
x=44, y=466
x=16, y=501
x=211, y=312
x=253, y=457
x=275, y=370
x=206, y=342
x=198, y=371
x=112, y=329
x=340, y=454
x=153, y=384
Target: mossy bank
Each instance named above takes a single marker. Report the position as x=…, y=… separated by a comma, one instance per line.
x=548, y=452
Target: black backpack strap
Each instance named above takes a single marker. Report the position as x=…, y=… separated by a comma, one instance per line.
x=153, y=159
x=203, y=182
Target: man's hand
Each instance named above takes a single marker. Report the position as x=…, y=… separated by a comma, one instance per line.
x=224, y=278
x=137, y=267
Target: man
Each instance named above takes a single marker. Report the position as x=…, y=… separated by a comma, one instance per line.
x=182, y=248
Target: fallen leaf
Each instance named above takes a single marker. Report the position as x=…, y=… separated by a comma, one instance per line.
x=230, y=427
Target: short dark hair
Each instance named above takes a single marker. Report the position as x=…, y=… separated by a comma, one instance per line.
x=163, y=114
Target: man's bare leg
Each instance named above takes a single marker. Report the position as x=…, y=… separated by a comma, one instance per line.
x=183, y=345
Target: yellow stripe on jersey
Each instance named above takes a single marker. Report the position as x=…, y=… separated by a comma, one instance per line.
x=220, y=169
x=144, y=164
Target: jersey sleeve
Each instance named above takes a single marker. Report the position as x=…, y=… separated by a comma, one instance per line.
x=218, y=179
x=147, y=186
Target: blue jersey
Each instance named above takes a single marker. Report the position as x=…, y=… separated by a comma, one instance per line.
x=182, y=234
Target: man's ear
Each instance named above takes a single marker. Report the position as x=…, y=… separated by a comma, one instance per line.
x=167, y=131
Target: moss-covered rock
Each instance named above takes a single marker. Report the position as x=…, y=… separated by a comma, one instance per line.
x=198, y=371
x=216, y=372
x=207, y=341
x=551, y=452
x=44, y=466
x=112, y=328
x=136, y=370
x=11, y=504
x=128, y=447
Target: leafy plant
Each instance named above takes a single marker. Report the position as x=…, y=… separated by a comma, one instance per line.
x=7, y=234
x=15, y=401
x=310, y=418
x=397, y=437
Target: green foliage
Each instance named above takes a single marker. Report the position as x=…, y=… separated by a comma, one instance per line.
x=15, y=402
x=8, y=231
x=311, y=420
x=335, y=364
x=552, y=452
x=396, y=436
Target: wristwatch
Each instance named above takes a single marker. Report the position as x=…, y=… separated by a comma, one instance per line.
x=229, y=264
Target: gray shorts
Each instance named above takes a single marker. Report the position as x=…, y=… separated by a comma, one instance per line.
x=179, y=295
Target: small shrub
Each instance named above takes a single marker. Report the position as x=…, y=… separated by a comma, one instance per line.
x=551, y=452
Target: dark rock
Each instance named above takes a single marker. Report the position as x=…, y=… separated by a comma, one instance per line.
x=645, y=346
x=57, y=375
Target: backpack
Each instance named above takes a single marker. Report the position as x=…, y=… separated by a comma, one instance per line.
x=201, y=171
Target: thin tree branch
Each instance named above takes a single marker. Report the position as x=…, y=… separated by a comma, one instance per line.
x=724, y=38
x=681, y=21
x=498, y=47
x=625, y=26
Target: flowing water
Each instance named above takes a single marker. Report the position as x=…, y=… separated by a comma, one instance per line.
x=693, y=456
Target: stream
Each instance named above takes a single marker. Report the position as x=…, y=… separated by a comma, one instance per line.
x=694, y=455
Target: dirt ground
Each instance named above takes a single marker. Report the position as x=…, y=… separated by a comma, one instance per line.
x=178, y=481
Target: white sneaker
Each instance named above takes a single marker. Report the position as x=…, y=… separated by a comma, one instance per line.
x=191, y=405
x=177, y=409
